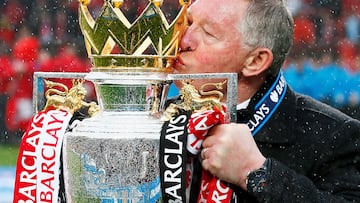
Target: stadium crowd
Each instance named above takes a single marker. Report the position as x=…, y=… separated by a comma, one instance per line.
x=44, y=35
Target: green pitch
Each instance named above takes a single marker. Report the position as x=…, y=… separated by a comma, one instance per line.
x=8, y=155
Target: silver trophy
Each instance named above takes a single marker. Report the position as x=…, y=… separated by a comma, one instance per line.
x=113, y=156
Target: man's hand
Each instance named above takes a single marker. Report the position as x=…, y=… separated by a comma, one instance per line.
x=230, y=152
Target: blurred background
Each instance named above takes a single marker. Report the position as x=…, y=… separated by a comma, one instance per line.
x=44, y=35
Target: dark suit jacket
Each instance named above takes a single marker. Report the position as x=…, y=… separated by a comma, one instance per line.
x=315, y=153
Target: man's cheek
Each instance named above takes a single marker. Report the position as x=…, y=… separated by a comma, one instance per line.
x=207, y=60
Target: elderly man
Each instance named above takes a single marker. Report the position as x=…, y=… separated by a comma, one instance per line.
x=286, y=147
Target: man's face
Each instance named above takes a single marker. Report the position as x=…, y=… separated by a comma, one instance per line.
x=212, y=43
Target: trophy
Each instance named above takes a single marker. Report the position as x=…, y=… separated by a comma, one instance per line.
x=114, y=155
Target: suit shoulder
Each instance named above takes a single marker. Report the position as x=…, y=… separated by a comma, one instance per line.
x=307, y=106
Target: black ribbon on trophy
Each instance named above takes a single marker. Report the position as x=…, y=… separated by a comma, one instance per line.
x=180, y=144
x=173, y=157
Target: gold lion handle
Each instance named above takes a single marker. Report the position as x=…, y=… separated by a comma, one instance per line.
x=196, y=101
x=71, y=100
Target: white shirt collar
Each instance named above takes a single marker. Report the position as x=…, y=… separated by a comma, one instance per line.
x=243, y=105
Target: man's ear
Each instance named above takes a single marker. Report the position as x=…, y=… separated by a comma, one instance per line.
x=257, y=62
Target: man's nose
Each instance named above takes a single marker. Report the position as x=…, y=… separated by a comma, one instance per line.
x=187, y=42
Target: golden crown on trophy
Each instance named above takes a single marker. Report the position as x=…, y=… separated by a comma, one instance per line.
x=111, y=29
